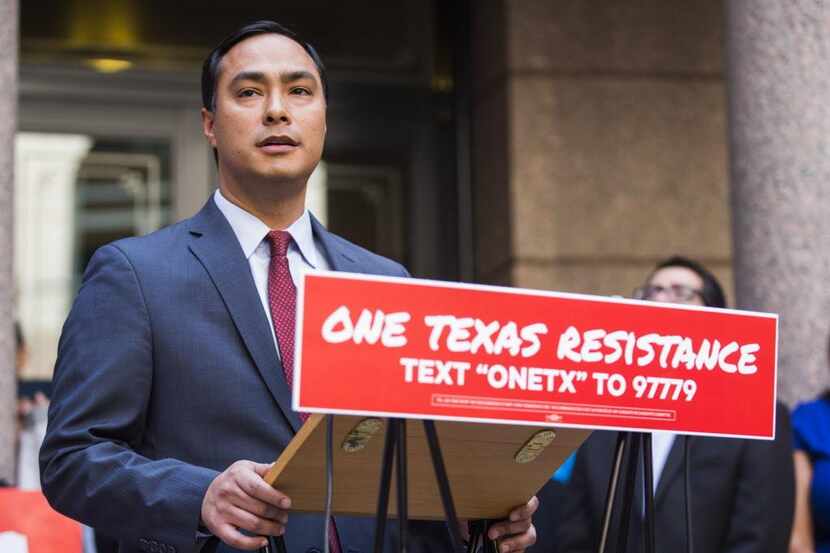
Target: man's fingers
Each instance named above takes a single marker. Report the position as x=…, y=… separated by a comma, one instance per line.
x=262, y=509
x=519, y=542
x=507, y=528
x=464, y=528
x=252, y=484
x=262, y=491
x=240, y=499
x=526, y=510
x=233, y=537
x=257, y=525
x=518, y=532
x=262, y=468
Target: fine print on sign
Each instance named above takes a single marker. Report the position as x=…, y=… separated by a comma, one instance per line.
x=425, y=349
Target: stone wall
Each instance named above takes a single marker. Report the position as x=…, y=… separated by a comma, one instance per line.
x=599, y=141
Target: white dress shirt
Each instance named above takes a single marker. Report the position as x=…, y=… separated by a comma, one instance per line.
x=661, y=443
x=304, y=252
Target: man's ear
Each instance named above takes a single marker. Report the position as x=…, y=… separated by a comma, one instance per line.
x=207, y=126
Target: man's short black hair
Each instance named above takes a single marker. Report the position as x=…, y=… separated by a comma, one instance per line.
x=210, y=69
x=712, y=294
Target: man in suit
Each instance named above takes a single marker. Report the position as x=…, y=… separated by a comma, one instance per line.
x=742, y=491
x=742, y=496
x=172, y=385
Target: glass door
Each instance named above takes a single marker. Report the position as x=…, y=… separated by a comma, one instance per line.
x=73, y=194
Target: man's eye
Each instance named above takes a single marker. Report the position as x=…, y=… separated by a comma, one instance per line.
x=247, y=93
x=301, y=91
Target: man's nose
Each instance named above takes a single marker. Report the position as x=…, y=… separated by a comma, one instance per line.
x=275, y=111
x=663, y=295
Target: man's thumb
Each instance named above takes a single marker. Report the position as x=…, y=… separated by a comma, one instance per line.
x=262, y=468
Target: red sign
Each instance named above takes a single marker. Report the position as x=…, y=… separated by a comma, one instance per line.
x=424, y=349
x=45, y=530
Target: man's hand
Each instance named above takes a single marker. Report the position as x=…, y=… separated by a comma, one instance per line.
x=239, y=498
x=517, y=533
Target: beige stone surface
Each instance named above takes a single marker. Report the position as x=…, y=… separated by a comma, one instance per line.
x=582, y=277
x=614, y=152
x=601, y=277
x=8, y=118
x=619, y=168
x=639, y=36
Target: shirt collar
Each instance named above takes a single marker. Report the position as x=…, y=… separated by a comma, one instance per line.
x=250, y=231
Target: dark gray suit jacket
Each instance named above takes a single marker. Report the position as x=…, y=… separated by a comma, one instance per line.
x=742, y=496
x=166, y=374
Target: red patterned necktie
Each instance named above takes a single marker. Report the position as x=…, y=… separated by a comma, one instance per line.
x=282, y=300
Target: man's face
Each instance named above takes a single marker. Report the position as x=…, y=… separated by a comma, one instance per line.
x=269, y=119
x=676, y=285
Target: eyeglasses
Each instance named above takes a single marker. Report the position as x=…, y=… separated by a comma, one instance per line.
x=675, y=292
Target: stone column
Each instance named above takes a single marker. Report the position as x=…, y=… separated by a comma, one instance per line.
x=45, y=171
x=8, y=123
x=778, y=72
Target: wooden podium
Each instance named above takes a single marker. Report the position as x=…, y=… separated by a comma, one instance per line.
x=488, y=470
x=480, y=459
x=444, y=470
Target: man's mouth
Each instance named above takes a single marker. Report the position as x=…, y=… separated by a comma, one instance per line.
x=278, y=143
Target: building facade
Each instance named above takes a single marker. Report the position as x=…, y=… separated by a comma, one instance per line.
x=555, y=145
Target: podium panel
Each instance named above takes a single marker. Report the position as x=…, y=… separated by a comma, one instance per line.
x=486, y=478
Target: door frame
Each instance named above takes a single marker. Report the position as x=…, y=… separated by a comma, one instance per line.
x=136, y=104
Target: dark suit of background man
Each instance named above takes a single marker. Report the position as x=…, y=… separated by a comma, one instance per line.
x=742, y=491
x=170, y=391
x=742, y=496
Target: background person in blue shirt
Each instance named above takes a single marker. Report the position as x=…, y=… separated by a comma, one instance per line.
x=811, y=436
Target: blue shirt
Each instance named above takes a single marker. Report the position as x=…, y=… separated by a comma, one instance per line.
x=811, y=434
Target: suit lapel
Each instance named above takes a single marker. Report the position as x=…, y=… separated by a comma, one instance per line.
x=339, y=259
x=673, y=466
x=217, y=248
